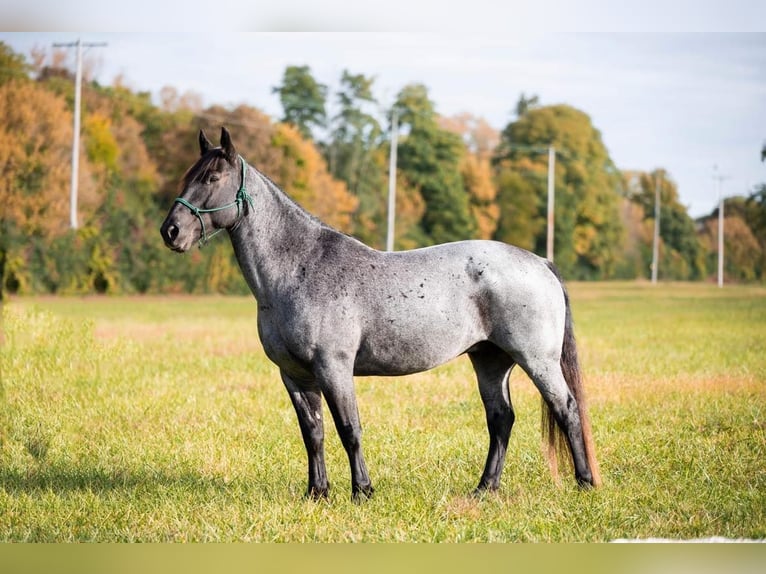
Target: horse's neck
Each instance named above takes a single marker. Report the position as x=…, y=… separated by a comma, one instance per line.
x=274, y=235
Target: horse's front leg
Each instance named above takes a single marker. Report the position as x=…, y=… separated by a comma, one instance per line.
x=337, y=383
x=307, y=400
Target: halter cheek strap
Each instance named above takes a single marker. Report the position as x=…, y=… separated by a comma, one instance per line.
x=242, y=196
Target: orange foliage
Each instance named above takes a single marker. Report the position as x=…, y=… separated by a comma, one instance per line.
x=477, y=179
x=35, y=155
x=304, y=176
x=477, y=134
x=133, y=159
x=410, y=207
x=119, y=140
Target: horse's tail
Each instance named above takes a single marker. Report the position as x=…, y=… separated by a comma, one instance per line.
x=554, y=440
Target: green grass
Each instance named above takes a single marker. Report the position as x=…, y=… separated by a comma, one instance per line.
x=160, y=419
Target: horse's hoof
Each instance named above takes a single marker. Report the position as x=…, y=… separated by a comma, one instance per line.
x=362, y=493
x=318, y=493
x=483, y=489
x=585, y=484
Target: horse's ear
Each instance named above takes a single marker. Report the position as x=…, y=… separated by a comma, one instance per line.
x=204, y=143
x=228, y=147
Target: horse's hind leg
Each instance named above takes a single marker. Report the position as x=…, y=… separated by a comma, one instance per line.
x=492, y=366
x=308, y=406
x=549, y=380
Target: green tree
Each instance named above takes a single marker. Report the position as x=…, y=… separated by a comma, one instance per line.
x=303, y=100
x=681, y=254
x=755, y=212
x=755, y=217
x=519, y=201
x=355, y=156
x=588, y=233
x=13, y=66
x=430, y=158
x=526, y=103
x=480, y=140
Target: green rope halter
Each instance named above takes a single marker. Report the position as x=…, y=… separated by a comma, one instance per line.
x=242, y=196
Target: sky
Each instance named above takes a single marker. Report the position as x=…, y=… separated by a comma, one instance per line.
x=692, y=103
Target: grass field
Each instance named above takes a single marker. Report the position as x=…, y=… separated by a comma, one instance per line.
x=160, y=419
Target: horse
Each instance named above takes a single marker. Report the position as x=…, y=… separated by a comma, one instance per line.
x=331, y=308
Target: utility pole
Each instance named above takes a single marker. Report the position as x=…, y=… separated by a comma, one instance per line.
x=76, y=129
x=392, y=180
x=719, y=178
x=656, y=242
x=551, y=194
x=551, y=189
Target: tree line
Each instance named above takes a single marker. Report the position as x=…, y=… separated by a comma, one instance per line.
x=457, y=178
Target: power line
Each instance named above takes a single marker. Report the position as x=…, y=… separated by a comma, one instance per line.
x=78, y=45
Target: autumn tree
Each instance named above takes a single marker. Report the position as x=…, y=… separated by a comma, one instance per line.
x=35, y=151
x=755, y=211
x=681, y=255
x=588, y=234
x=638, y=236
x=479, y=137
x=480, y=140
x=755, y=217
x=304, y=177
x=743, y=255
x=744, y=245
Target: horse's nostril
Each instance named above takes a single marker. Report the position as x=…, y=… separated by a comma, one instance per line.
x=172, y=232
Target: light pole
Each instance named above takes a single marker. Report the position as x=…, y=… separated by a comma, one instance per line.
x=719, y=178
x=551, y=199
x=76, y=128
x=392, y=180
x=551, y=151
x=656, y=242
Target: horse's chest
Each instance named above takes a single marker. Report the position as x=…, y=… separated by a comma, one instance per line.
x=284, y=342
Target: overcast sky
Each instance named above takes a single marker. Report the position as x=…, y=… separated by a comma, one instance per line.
x=685, y=102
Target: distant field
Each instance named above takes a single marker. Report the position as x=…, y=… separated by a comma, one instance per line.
x=160, y=419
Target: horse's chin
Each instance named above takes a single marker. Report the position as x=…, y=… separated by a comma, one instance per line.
x=179, y=246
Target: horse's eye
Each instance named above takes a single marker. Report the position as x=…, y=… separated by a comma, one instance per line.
x=214, y=177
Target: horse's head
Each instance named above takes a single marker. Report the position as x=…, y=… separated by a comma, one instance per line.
x=213, y=195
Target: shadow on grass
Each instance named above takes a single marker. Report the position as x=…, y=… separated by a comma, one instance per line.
x=62, y=480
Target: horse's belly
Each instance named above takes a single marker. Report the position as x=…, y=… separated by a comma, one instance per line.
x=407, y=350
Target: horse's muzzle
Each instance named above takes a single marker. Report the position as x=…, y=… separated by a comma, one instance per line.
x=172, y=236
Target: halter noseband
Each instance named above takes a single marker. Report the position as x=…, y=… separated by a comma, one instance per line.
x=242, y=196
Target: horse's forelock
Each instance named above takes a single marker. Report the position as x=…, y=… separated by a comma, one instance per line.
x=208, y=162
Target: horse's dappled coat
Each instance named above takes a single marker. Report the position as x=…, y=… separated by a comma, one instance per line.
x=329, y=308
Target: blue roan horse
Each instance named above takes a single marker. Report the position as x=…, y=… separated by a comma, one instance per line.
x=330, y=308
